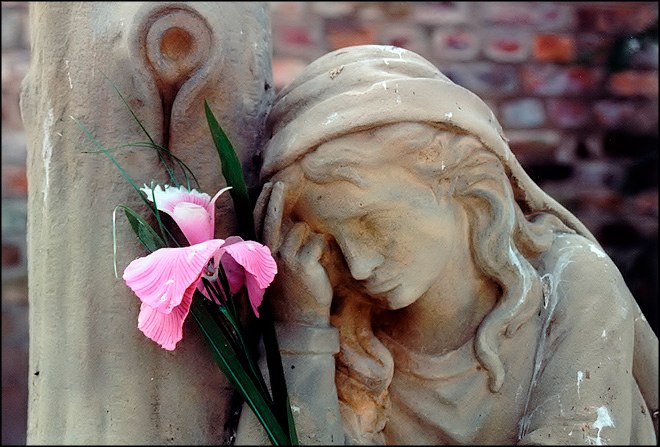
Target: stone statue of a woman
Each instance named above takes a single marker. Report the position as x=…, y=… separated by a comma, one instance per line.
x=429, y=291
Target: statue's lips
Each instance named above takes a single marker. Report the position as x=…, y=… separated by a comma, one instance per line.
x=379, y=287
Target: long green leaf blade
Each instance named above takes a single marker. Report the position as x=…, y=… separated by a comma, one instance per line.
x=144, y=232
x=123, y=172
x=276, y=371
x=230, y=365
x=233, y=174
x=253, y=367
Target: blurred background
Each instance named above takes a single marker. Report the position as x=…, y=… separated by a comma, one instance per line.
x=574, y=84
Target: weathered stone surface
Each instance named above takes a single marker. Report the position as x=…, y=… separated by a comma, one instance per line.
x=94, y=378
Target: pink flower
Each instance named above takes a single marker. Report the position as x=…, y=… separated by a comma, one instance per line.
x=249, y=264
x=193, y=211
x=165, y=280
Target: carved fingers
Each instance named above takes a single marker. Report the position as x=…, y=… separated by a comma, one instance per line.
x=306, y=292
x=272, y=224
x=303, y=292
x=301, y=250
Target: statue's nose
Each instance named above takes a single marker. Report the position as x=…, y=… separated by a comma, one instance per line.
x=361, y=257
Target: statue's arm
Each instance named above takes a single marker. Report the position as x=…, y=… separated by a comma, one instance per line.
x=300, y=298
x=584, y=391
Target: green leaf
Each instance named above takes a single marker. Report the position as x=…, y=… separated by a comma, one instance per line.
x=276, y=371
x=243, y=346
x=128, y=106
x=233, y=174
x=144, y=232
x=226, y=358
x=129, y=179
x=105, y=151
x=167, y=234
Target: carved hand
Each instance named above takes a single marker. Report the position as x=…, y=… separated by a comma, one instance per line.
x=300, y=298
x=302, y=289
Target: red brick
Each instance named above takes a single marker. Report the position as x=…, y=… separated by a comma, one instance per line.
x=534, y=145
x=554, y=48
x=342, y=34
x=405, y=36
x=537, y=15
x=285, y=70
x=613, y=114
x=287, y=12
x=382, y=11
x=296, y=35
x=617, y=17
x=15, y=27
x=599, y=200
x=332, y=10
x=522, y=113
x=551, y=16
x=15, y=296
x=599, y=174
x=455, y=45
x=632, y=115
x=568, y=113
x=508, y=13
x=15, y=64
x=442, y=13
x=507, y=45
x=646, y=203
x=592, y=49
x=14, y=386
x=646, y=58
x=486, y=79
x=14, y=181
x=634, y=83
x=14, y=151
x=297, y=40
x=553, y=80
x=11, y=255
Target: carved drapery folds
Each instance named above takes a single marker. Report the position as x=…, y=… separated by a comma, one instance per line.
x=94, y=377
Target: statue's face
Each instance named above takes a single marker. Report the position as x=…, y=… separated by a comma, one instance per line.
x=396, y=236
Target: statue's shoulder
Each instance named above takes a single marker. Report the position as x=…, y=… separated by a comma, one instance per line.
x=579, y=271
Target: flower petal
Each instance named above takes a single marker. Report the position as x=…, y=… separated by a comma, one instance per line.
x=161, y=279
x=168, y=198
x=186, y=207
x=255, y=293
x=255, y=258
x=165, y=329
x=194, y=221
x=259, y=267
x=210, y=208
x=235, y=273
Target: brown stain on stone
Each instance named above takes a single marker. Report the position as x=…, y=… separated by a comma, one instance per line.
x=176, y=43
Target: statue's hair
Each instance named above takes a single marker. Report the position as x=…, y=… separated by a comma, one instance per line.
x=503, y=240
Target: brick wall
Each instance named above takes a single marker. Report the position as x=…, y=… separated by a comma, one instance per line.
x=574, y=84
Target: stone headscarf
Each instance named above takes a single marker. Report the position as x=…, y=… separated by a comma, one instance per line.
x=362, y=87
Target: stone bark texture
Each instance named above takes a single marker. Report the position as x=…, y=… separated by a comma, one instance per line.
x=94, y=378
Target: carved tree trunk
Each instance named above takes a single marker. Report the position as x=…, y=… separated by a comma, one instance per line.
x=94, y=377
